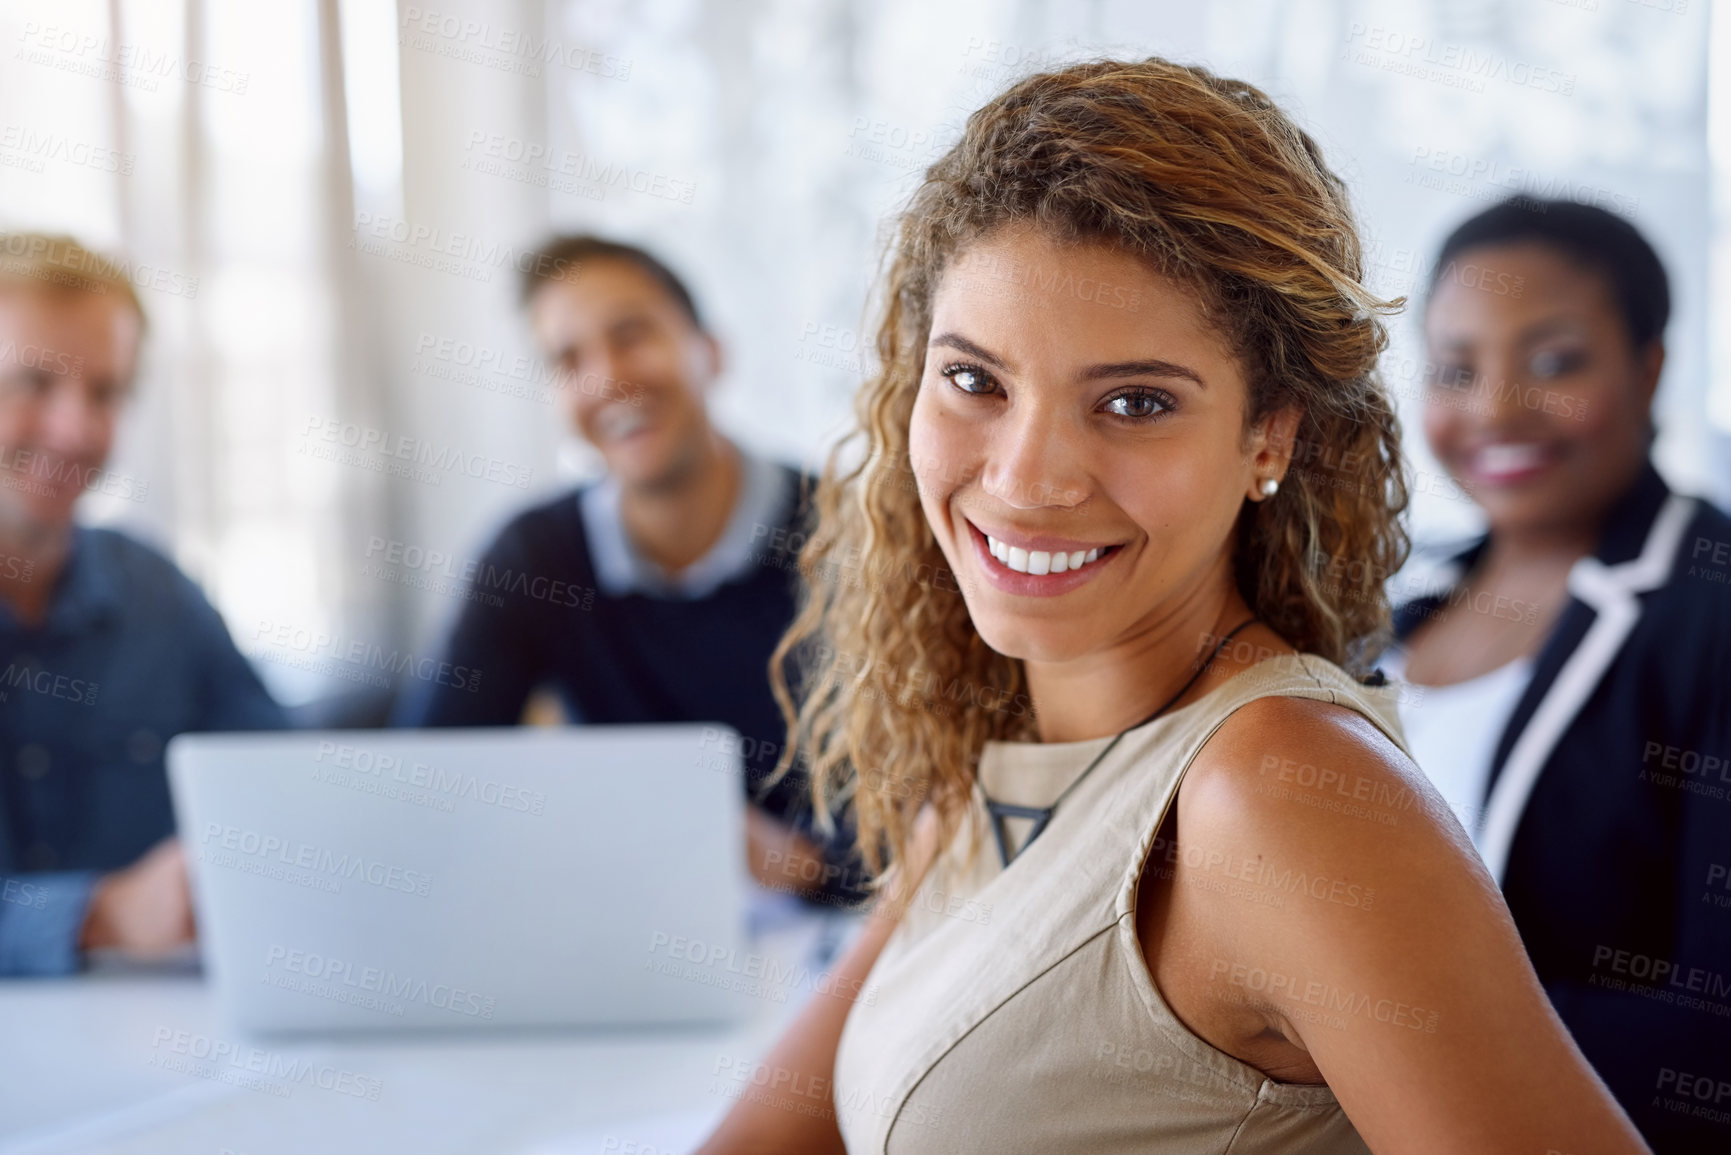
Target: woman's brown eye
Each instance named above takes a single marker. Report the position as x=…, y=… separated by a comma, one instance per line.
x=1451, y=376
x=1554, y=363
x=1138, y=403
x=967, y=379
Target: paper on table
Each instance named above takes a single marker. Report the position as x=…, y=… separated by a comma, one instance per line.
x=671, y=1134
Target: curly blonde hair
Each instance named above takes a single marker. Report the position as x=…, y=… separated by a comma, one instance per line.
x=1210, y=184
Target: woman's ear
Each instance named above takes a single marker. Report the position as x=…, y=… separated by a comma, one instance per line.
x=1650, y=362
x=1271, y=447
x=717, y=356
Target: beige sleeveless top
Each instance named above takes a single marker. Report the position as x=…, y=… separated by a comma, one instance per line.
x=1011, y=1011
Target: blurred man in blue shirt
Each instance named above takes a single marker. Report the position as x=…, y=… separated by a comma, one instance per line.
x=106, y=649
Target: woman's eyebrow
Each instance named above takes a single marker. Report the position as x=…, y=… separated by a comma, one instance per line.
x=1153, y=368
x=962, y=345
x=1550, y=327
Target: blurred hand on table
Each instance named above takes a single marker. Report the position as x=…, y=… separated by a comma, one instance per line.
x=144, y=910
x=780, y=857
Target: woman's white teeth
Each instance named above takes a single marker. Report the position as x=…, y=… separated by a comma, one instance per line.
x=1038, y=561
x=1508, y=457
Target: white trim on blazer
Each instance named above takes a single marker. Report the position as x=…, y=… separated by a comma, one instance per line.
x=1611, y=592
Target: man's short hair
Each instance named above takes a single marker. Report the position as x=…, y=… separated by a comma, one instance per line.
x=60, y=264
x=561, y=256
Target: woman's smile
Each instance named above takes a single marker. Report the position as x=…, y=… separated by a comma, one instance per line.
x=1034, y=565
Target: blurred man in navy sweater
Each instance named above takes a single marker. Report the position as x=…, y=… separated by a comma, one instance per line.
x=106, y=649
x=657, y=593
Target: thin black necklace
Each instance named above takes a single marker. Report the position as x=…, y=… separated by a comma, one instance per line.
x=1041, y=815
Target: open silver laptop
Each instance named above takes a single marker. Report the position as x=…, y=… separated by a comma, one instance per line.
x=463, y=879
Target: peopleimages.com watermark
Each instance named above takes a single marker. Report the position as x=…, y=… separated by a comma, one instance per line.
x=482, y=367
x=1315, y=1001
x=1258, y=879
x=31, y=149
x=996, y=61
x=1718, y=892
x=894, y=145
x=1710, y=561
x=1161, y=1070
x=501, y=47
x=493, y=370
x=562, y=170
x=1698, y=772
x=40, y=357
x=1347, y=793
x=129, y=65
x=363, y=765
x=304, y=863
x=372, y=988
x=22, y=892
x=1451, y=65
x=41, y=473
x=760, y=975
x=352, y=659
x=422, y=571
x=471, y=579
x=1661, y=979
x=1398, y=271
x=1483, y=177
x=461, y=254
x=1689, y=1093
x=344, y=442
x=816, y=1096
x=830, y=347
x=254, y=1068
x=56, y=261
x=28, y=677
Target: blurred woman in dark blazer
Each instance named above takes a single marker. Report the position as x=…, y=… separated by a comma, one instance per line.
x=1576, y=660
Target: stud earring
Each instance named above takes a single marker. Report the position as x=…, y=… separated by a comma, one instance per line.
x=1270, y=487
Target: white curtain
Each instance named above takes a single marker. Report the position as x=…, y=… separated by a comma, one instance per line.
x=214, y=166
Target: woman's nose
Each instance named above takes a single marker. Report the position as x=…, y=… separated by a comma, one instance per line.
x=1033, y=461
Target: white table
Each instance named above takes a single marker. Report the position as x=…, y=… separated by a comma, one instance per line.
x=81, y=1071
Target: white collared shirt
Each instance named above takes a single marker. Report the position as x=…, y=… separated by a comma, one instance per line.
x=620, y=568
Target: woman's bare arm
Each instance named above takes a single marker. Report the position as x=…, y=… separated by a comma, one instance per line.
x=805, y=1055
x=1359, y=930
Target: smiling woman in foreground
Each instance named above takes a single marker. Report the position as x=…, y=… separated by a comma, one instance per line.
x=1197, y=897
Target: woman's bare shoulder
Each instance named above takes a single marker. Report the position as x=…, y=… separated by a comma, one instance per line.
x=1316, y=770
x=1322, y=883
